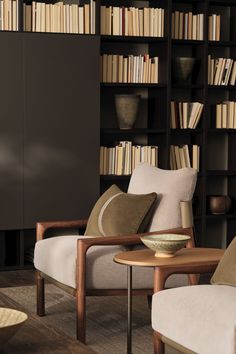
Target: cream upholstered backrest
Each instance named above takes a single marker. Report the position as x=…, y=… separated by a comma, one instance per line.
x=171, y=187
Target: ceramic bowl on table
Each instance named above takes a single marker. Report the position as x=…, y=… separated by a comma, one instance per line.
x=165, y=245
x=10, y=321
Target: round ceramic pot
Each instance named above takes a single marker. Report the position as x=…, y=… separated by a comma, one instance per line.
x=126, y=110
x=182, y=68
x=219, y=204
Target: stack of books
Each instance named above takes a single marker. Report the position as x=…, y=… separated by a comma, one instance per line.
x=187, y=25
x=226, y=115
x=221, y=71
x=129, y=69
x=185, y=115
x=214, y=27
x=124, y=157
x=9, y=14
x=59, y=17
x=180, y=157
x=124, y=21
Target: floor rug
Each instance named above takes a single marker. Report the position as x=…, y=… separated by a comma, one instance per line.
x=106, y=318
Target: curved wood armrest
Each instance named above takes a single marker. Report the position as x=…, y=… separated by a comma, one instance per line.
x=130, y=239
x=84, y=244
x=42, y=227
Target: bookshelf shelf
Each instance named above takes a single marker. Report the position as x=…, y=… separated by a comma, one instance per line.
x=131, y=39
x=221, y=173
x=188, y=86
x=186, y=131
x=221, y=216
x=131, y=85
x=187, y=42
x=222, y=87
x=221, y=131
x=132, y=131
x=114, y=177
x=221, y=44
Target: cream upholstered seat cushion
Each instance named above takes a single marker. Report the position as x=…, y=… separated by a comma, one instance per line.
x=56, y=257
x=201, y=318
x=171, y=187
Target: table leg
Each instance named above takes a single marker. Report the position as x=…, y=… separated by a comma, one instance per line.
x=129, y=323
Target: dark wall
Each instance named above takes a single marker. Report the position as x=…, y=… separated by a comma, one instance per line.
x=56, y=118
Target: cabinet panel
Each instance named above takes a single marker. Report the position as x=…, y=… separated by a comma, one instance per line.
x=11, y=131
x=61, y=149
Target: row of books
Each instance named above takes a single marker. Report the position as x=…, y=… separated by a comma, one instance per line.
x=124, y=157
x=9, y=14
x=185, y=115
x=59, y=17
x=187, y=25
x=129, y=69
x=221, y=71
x=184, y=156
x=214, y=28
x=226, y=115
x=124, y=21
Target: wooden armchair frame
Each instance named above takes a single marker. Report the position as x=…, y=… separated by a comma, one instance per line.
x=82, y=247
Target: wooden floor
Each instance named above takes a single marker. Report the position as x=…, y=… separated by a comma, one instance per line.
x=16, y=278
x=35, y=336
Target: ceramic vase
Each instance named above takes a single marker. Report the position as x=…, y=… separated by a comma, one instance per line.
x=182, y=69
x=219, y=204
x=126, y=110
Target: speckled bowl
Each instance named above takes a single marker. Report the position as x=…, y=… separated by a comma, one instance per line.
x=165, y=245
x=10, y=321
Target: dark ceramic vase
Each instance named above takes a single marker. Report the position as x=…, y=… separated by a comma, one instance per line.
x=182, y=69
x=219, y=204
x=126, y=110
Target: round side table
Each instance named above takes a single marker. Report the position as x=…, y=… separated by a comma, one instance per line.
x=186, y=261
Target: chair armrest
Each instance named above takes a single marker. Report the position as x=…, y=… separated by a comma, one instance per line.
x=84, y=244
x=130, y=239
x=42, y=227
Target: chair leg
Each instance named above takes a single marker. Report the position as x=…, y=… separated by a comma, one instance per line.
x=159, y=347
x=149, y=300
x=81, y=316
x=40, y=294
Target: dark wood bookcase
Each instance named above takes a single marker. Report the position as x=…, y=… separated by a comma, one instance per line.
x=217, y=173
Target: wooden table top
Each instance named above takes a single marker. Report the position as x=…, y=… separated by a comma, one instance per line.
x=186, y=256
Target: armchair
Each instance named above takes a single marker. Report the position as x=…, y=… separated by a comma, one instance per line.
x=83, y=265
x=199, y=319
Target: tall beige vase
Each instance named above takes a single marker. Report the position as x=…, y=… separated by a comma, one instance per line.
x=126, y=110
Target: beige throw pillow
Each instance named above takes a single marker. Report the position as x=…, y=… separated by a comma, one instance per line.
x=225, y=273
x=118, y=213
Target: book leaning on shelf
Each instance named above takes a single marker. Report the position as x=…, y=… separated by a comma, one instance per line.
x=187, y=26
x=185, y=115
x=131, y=21
x=124, y=157
x=129, y=69
x=221, y=71
x=9, y=14
x=59, y=17
x=214, y=27
x=226, y=115
x=180, y=157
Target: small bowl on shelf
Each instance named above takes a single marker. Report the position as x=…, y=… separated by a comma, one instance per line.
x=10, y=321
x=165, y=245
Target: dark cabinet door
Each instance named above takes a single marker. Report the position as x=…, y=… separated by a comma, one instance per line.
x=11, y=131
x=61, y=126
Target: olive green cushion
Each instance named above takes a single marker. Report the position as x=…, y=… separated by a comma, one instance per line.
x=118, y=213
x=225, y=273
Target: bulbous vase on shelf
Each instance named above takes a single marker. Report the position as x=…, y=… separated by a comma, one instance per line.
x=126, y=110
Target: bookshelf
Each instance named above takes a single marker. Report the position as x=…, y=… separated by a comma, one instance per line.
x=152, y=126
